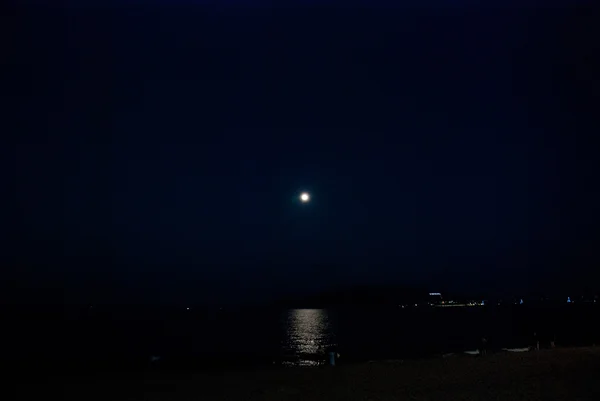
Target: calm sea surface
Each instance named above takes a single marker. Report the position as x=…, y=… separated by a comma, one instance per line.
x=293, y=337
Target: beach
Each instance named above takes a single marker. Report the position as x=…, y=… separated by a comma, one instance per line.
x=559, y=374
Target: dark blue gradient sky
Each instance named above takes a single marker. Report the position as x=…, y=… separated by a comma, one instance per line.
x=159, y=149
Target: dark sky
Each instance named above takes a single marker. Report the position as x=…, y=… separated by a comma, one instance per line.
x=159, y=148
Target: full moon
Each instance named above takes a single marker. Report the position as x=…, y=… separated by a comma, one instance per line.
x=304, y=197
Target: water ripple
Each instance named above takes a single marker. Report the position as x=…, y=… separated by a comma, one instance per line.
x=308, y=335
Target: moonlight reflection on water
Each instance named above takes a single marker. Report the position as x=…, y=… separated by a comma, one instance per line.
x=309, y=333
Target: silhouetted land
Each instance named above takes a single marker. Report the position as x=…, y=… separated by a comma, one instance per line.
x=560, y=374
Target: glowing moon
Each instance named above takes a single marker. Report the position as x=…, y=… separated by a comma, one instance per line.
x=304, y=197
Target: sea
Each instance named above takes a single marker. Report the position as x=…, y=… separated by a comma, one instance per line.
x=124, y=337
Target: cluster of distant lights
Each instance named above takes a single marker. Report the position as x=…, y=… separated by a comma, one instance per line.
x=449, y=303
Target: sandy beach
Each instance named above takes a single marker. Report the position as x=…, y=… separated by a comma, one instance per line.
x=560, y=374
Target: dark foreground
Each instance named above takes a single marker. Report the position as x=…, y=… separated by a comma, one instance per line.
x=561, y=374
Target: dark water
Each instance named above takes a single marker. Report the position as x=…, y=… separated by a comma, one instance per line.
x=125, y=336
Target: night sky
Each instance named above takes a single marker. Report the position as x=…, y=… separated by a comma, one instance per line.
x=158, y=149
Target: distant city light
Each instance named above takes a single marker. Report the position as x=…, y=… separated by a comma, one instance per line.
x=435, y=293
x=187, y=308
x=304, y=197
